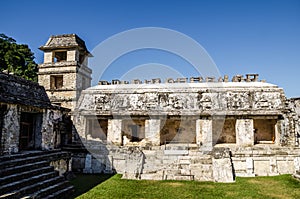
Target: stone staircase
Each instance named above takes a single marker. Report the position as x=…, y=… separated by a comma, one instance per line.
x=29, y=175
x=179, y=170
x=173, y=163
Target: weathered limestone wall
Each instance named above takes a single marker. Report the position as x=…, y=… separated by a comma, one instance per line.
x=52, y=120
x=177, y=162
x=265, y=160
x=290, y=125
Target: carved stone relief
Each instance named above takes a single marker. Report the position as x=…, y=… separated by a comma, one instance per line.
x=194, y=101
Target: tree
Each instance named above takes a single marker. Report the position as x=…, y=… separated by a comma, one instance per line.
x=17, y=58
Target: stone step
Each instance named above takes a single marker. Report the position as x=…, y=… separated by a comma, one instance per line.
x=32, y=188
x=176, y=152
x=30, y=175
x=25, y=154
x=63, y=193
x=201, y=160
x=201, y=167
x=20, y=168
x=22, y=175
x=74, y=148
x=179, y=177
x=176, y=163
x=26, y=182
x=45, y=192
x=152, y=176
x=172, y=172
x=31, y=159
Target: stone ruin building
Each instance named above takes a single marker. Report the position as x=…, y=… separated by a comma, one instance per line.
x=190, y=128
x=198, y=128
x=31, y=132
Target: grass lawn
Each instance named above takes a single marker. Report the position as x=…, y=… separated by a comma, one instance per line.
x=283, y=186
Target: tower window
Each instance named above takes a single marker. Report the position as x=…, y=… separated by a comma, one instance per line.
x=56, y=81
x=60, y=56
x=81, y=58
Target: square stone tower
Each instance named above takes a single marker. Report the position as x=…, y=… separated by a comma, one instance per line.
x=65, y=72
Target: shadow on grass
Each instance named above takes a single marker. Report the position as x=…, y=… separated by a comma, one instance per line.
x=84, y=182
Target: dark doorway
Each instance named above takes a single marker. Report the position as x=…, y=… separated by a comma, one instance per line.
x=26, y=131
x=66, y=130
x=134, y=129
x=134, y=133
x=30, y=131
x=264, y=131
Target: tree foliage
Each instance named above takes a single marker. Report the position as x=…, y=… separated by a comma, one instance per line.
x=17, y=58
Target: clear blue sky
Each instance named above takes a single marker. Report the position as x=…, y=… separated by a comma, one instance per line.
x=241, y=36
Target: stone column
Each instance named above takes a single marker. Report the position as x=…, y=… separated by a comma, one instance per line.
x=244, y=132
x=81, y=126
x=198, y=133
x=11, y=130
x=204, y=134
x=152, y=131
x=114, y=131
x=278, y=127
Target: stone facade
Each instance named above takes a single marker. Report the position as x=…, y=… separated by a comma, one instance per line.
x=185, y=107
x=28, y=120
x=191, y=130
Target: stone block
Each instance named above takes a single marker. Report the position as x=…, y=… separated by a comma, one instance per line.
x=222, y=170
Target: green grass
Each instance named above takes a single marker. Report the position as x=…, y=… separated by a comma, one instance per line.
x=283, y=186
